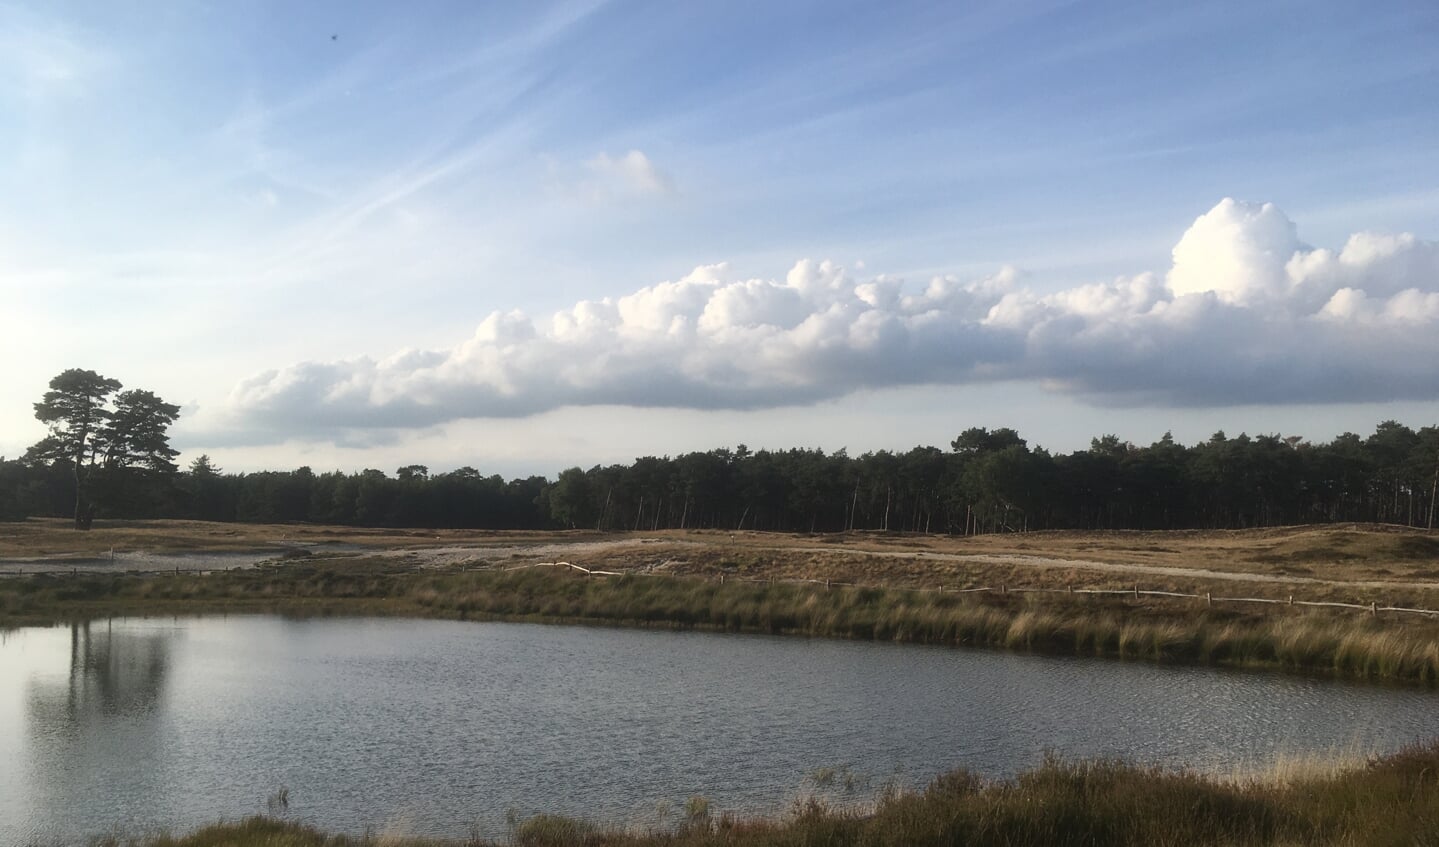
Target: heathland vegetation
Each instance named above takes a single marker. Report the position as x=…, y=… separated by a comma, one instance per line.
x=1393, y=800
x=1280, y=638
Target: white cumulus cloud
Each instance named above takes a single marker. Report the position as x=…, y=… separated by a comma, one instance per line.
x=1246, y=314
x=631, y=173
x=1237, y=251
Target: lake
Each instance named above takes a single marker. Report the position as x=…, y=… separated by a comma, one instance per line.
x=434, y=727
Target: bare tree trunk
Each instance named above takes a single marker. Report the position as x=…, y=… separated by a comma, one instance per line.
x=80, y=522
x=742, y=516
x=640, y=513
x=599, y=525
x=853, y=504
x=1433, y=491
x=685, y=514
x=79, y=497
x=888, y=495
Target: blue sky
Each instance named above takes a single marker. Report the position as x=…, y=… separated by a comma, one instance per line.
x=292, y=218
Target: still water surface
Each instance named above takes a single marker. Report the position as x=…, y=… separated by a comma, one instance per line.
x=432, y=727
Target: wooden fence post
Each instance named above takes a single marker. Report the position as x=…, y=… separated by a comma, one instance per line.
x=1208, y=599
x=1374, y=609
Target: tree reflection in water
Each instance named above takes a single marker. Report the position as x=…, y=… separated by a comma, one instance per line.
x=108, y=709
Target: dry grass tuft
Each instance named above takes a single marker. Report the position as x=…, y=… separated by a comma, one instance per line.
x=1392, y=800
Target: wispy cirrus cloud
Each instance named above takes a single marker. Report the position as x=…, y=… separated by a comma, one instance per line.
x=41, y=59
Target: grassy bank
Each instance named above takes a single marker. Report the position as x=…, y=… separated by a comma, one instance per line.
x=1392, y=800
x=1312, y=641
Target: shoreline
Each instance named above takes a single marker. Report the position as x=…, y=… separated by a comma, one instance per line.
x=1390, y=799
x=1282, y=639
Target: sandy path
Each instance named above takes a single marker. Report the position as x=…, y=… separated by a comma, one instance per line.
x=137, y=561
x=1045, y=562
x=157, y=561
x=577, y=551
x=498, y=554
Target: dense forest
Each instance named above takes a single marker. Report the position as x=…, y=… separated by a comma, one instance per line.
x=988, y=481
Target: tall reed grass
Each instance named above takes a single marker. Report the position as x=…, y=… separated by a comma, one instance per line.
x=1343, y=644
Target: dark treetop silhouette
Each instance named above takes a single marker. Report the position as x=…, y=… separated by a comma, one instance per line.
x=103, y=436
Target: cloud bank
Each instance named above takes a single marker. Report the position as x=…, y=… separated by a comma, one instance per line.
x=1247, y=313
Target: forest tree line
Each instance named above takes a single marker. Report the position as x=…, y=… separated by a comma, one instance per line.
x=987, y=481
